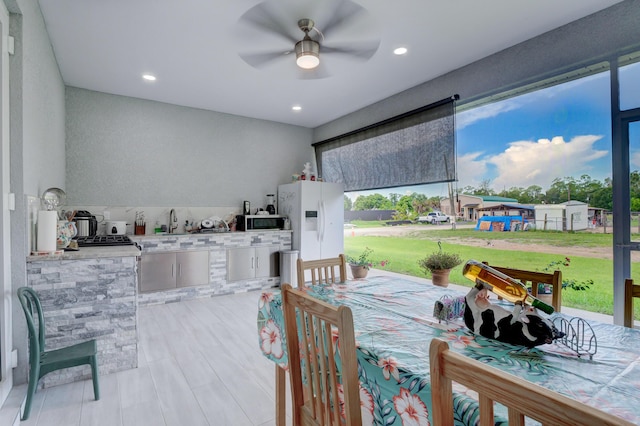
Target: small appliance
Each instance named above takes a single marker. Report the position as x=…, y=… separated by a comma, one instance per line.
x=105, y=240
x=86, y=223
x=259, y=222
x=271, y=203
x=116, y=227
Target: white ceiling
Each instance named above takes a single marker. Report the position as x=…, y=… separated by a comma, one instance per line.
x=194, y=47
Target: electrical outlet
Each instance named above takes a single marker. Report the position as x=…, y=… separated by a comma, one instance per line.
x=106, y=214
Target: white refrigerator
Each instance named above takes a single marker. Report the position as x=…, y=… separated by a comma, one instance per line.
x=316, y=212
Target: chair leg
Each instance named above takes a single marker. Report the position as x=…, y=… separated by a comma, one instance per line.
x=281, y=396
x=34, y=377
x=94, y=377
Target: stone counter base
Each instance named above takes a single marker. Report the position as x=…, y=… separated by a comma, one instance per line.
x=89, y=299
x=220, y=289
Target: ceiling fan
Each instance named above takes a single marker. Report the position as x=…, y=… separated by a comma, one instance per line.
x=342, y=33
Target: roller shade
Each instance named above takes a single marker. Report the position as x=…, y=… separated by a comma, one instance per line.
x=414, y=148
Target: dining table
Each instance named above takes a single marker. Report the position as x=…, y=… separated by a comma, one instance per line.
x=394, y=324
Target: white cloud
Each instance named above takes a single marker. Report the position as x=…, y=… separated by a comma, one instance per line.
x=471, y=169
x=526, y=163
x=467, y=118
x=635, y=160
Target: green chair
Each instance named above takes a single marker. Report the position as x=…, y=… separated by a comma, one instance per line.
x=42, y=362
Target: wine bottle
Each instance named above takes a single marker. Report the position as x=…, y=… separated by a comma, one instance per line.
x=502, y=285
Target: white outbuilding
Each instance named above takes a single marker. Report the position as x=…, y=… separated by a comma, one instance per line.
x=567, y=216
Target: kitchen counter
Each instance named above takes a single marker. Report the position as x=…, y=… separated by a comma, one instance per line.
x=89, y=294
x=93, y=292
x=217, y=244
x=91, y=253
x=204, y=234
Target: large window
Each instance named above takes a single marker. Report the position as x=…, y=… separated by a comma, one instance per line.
x=630, y=81
x=543, y=143
x=414, y=148
x=543, y=146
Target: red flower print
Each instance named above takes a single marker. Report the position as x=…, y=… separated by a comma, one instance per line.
x=389, y=368
x=411, y=409
x=271, y=341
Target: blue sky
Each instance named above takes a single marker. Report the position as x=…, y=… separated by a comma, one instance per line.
x=531, y=139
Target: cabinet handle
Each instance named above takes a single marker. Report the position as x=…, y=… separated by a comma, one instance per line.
x=252, y=267
x=173, y=270
x=257, y=262
x=180, y=269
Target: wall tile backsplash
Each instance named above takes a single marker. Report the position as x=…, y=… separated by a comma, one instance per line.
x=156, y=214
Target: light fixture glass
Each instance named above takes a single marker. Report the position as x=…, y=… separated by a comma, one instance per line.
x=149, y=77
x=400, y=51
x=296, y=108
x=307, y=53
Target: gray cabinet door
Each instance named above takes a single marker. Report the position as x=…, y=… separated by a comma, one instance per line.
x=193, y=268
x=267, y=261
x=241, y=264
x=157, y=271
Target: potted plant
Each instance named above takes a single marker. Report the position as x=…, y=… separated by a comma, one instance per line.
x=439, y=264
x=360, y=265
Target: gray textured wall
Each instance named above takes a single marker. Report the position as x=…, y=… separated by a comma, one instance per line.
x=590, y=39
x=130, y=152
x=43, y=115
x=37, y=141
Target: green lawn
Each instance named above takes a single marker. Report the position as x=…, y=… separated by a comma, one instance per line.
x=404, y=252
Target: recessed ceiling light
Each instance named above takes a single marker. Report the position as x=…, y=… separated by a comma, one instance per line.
x=149, y=77
x=400, y=51
x=296, y=108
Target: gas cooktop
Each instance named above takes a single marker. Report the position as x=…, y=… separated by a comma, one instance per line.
x=104, y=240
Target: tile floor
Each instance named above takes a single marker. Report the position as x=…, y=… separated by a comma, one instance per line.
x=199, y=364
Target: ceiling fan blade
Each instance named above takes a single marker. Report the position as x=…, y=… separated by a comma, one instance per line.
x=344, y=12
x=260, y=60
x=261, y=18
x=359, y=50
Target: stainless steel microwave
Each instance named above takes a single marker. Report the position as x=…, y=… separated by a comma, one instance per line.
x=259, y=222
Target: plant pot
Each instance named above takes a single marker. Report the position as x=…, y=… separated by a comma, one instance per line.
x=440, y=277
x=359, y=271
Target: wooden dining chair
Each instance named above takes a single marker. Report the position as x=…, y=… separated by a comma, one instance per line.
x=522, y=398
x=533, y=278
x=631, y=290
x=314, y=364
x=324, y=271
x=42, y=362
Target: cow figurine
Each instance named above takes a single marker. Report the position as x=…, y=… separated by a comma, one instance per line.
x=524, y=326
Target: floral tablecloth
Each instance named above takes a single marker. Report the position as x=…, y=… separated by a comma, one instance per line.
x=394, y=324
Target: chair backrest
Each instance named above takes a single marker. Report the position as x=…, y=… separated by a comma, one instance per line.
x=522, y=398
x=534, y=278
x=31, y=306
x=317, y=359
x=631, y=290
x=324, y=271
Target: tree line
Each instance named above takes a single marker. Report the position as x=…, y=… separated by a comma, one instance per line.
x=593, y=192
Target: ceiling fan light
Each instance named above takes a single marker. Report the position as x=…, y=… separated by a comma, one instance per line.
x=307, y=54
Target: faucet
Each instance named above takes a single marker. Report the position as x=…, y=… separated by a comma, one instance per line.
x=173, y=221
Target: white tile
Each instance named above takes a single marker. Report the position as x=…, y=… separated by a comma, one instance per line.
x=136, y=386
x=219, y=406
x=107, y=410
x=62, y=405
x=199, y=364
x=143, y=414
x=177, y=401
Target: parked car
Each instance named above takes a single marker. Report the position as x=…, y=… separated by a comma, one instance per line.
x=435, y=217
